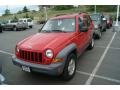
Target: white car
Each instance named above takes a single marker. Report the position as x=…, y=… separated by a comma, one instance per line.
x=29, y=21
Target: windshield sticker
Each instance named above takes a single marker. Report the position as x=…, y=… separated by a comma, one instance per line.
x=59, y=22
x=73, y=24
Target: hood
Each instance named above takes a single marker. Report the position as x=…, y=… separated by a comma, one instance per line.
x=96, y=22
x=42, y=41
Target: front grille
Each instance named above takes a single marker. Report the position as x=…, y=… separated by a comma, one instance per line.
x=30, y=56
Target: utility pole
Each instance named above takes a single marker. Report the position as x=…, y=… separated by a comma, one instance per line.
x=95, y=8
x=116, y=24
x=45, y=13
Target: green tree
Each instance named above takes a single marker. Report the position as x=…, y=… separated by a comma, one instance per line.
x=19, y=12
x=7, y=12
x=25, y=9
x=26, y=15
x=15, y=18
x=62, y=7
x=102, y=8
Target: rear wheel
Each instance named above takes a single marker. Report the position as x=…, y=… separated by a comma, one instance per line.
x=108, y=26
x=70, y=67
x=99, y=35
x=31, y=26
x=91, y=45
x=104, y=29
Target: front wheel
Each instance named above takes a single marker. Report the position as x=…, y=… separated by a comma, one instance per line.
x=15, y=28
x=70, y=67
x=91, y=45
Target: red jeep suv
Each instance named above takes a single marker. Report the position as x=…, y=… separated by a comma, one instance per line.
x=55, y=49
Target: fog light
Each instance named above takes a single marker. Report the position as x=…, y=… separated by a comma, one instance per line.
x=57, y=60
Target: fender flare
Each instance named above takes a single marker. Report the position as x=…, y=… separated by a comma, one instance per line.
x=66, y=51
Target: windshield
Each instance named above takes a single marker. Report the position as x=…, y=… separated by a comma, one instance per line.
x=59, y=25
x=95, y=17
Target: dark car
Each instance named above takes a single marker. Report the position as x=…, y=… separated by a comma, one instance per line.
x=109, y=21
x=2, y=23
x=118, y=18
x=99, y=24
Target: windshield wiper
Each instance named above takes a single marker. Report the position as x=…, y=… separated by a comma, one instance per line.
x=58, y=31
x=45, y=30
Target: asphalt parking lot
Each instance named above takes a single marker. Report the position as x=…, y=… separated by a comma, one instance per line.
x=99, y=66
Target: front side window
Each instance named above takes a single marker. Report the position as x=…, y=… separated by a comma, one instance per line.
x=59, y=25
x=14, y=21
x=82, y=23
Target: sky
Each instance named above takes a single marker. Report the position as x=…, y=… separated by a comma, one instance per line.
x=16, y=8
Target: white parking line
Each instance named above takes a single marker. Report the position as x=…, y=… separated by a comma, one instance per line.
x=109, y=47
x=1, y=51
x=98, y=76
x=88, y=82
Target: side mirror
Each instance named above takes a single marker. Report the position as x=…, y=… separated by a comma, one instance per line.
x=84, y=29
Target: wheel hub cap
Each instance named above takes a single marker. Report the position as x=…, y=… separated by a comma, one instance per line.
x=71, y=67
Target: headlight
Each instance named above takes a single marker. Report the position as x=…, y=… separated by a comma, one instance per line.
x=17, y=49
x=49, y=53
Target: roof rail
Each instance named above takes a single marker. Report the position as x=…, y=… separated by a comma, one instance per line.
x=82, y=12
x=60, y=14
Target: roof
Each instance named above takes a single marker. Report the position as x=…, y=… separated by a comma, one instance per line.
x=67, y=15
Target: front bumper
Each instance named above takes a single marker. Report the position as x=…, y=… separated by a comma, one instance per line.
x=52, y=69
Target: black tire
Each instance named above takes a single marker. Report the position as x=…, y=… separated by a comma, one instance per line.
x=108, y=26
x=30, y=26
x=14, y=28
x=67, y=75
x=99, y=35
x=91, y=45
x=0, y=31
x=104, y=29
